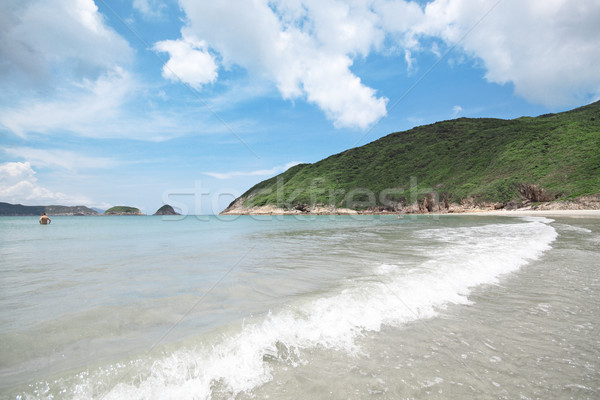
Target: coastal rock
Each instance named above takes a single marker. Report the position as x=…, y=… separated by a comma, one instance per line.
x=425, y=206
x=238, y=208
x=166, y=210
x=428, y=204
x=534, y=193
x=580, y=203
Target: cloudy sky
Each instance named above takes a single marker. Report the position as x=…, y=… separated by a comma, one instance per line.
x=120, y=102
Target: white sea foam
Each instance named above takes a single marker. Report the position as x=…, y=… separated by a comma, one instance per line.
x=571, y=228
x=462, y=259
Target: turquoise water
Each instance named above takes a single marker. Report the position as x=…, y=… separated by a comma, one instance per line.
x=299, y=307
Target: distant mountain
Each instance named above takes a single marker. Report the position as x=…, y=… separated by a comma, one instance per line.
x=98, y=210
x=7, y=209
x=448, y=166
x=123, y=210
x=166, y=210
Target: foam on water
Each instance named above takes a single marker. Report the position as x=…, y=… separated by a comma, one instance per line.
x=391, y=295
x=572, y=228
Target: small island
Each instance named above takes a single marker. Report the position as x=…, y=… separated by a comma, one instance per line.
x=123, y=210
x=166, y=210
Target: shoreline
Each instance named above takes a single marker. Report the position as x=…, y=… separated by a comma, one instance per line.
x=584, y=206
x=502, y=213
x=536, y=213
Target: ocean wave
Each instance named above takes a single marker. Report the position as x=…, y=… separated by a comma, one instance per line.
x=460, y=259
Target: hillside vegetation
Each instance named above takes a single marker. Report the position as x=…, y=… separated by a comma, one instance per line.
x=484, y=160
x=123, y=210
x=7, y=209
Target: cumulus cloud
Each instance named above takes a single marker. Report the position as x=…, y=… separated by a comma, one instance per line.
x=546, y=49
x=189, y=62
x=71, y=72
x=305, y=48
x=40, y=36
x=260, y=172
x=62, y=69
x=18, y=184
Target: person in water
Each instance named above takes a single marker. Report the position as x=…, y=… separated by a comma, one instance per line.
x=44, y=219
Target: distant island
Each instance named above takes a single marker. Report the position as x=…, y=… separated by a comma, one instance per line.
x=7, y=209
x=123, y=210
x=547, y=162
x=19, y=210
x=166, y=210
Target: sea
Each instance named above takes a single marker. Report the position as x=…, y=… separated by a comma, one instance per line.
x=300, y=307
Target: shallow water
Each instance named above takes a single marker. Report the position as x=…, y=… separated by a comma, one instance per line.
x=289, y=307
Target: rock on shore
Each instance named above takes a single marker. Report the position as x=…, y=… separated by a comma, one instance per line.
x=427, y=205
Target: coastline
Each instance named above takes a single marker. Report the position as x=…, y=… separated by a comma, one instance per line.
x=537, y=213
x=518, y=212
x=500, y=213
x=584, y=206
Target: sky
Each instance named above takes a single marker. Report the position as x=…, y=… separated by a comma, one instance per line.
x=192, y=102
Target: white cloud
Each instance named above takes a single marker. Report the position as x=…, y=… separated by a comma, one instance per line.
x=297, y=46
x=456, y=110
x=39, y=37
x=189, y=62
x=260, y=172
x=149, y=8
x=547, y=49
x=63, y=69
x=80, y=108
x=18, y=184
x=106, y=107
x=53, y=158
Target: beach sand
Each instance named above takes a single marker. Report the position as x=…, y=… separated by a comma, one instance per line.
x=537, y=213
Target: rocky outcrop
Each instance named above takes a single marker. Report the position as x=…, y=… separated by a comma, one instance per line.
x=238, y=208
x=428, y=205
x=166, y=210
x=580, y=203
x=534, y=193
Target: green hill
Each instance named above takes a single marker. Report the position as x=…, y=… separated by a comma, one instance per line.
x=7, y=209
x=476, y=161
x=123, y=210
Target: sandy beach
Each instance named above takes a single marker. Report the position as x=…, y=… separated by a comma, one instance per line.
x=538, y=213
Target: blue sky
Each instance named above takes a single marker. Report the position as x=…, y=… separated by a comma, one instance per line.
x=115, y=102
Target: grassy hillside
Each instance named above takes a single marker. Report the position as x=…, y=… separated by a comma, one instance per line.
x=7, y=209
x=553, y=156
x=123, y=210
